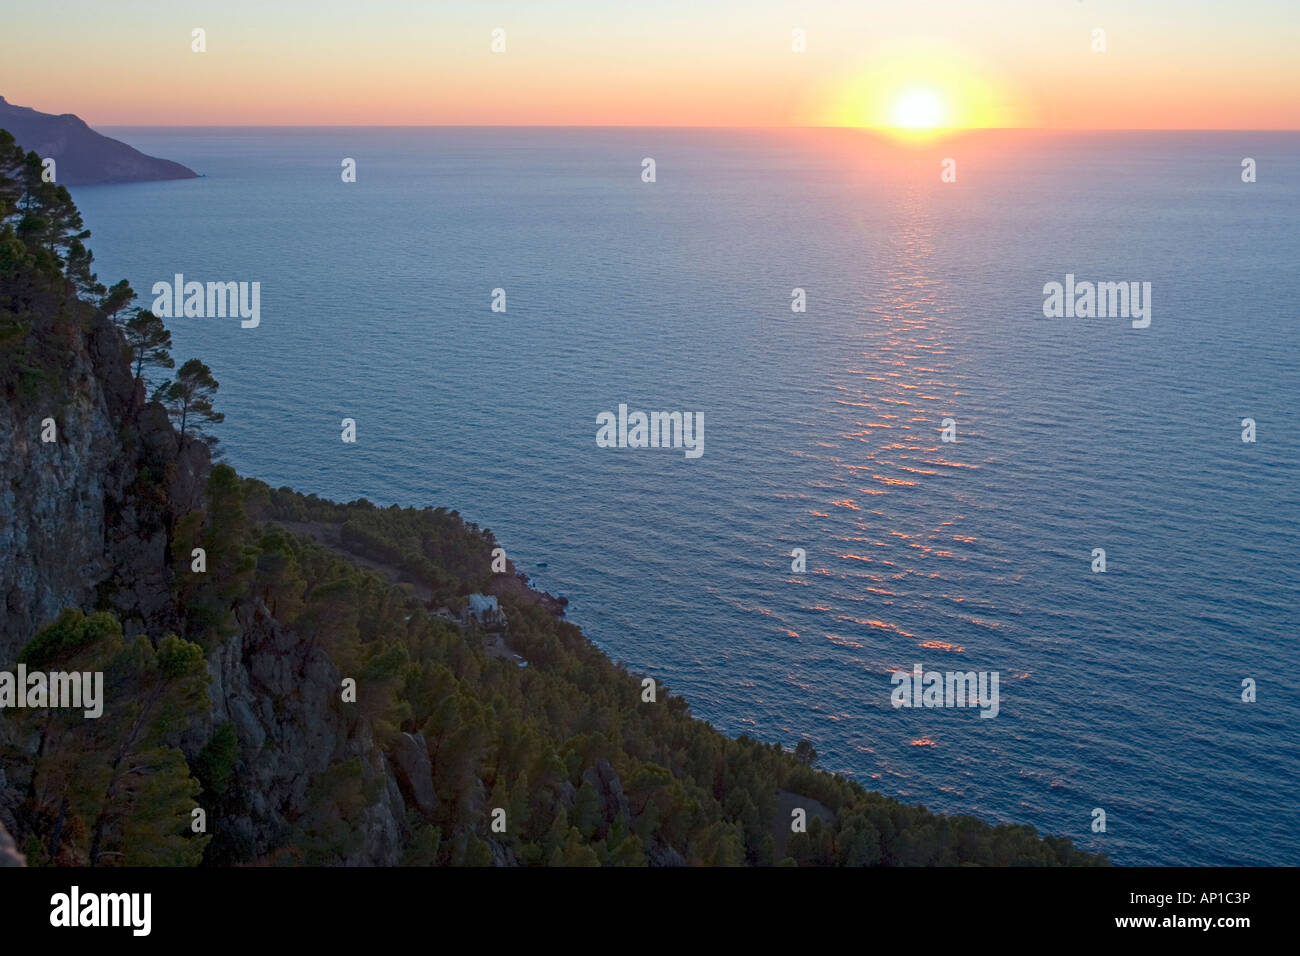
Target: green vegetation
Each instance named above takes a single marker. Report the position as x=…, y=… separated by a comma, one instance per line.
x=39, y=230
x=49, y=296
x=188, y=398
x=148, y=339
x=115, y=790
x=527, y=739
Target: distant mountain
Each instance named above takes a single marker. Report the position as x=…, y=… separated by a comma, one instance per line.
x=83, y=156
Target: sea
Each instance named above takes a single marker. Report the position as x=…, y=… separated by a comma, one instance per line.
x=830, y=535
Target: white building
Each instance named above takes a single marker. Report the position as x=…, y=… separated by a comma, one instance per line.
x=484, y=610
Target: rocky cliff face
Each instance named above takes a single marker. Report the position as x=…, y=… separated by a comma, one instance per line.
x=75, y=521
x=85, y=521
x=282, y=697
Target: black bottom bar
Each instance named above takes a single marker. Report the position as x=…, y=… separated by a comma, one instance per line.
x=947, y=907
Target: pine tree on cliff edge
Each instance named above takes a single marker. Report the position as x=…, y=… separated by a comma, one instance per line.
x=188, y=399
x=149, y=341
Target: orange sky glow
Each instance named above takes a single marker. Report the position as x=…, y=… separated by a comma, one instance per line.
x=948, y=63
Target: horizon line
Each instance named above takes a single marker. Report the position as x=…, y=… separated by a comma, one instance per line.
x=865, y=129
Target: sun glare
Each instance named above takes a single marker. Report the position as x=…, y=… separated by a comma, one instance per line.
x=916, y=94
x=919, y=109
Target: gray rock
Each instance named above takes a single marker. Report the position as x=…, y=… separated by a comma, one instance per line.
x=74, y=525
x=610, y=789
x=247, y=728
x=415, y=772
x=665, y=856
x=502, y=855
x=294, y=729
x=566, y=794
x=9, y=855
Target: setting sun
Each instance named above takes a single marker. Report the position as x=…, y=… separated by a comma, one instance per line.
x=918, y=109
x=915, y=93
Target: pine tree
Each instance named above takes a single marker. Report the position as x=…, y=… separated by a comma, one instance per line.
x=116, y=298
x=189, y=398
x=12, y=159
x=149, y=341
x=53, y=220
x=78, y=261
x=116, y=788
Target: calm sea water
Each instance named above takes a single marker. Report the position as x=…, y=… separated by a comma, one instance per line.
x=1119, y=691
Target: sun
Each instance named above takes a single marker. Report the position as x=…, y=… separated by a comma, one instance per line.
x=921, y=92
x=918, y=109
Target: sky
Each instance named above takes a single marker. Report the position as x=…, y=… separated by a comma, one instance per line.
x=1167, y=64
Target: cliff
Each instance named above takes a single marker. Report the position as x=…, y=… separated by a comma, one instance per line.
x=86, y=521
x=83, y=156
x=74, y=525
